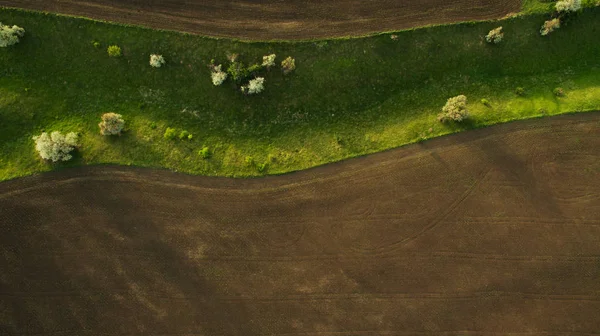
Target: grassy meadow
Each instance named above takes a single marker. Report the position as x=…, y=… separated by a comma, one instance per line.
x=347, y=97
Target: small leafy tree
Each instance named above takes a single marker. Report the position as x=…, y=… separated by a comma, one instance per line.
x=550, y=26
x=256, y=85
x=114, y=51
x=566, y=6
x=55, y=146
x=237, y=71
x=288, y=65
x=156, y=61
x=112, y=124
x=495, y=35
x=204, y=152
x=10, y=35
x=455, y=109
x=269, y=61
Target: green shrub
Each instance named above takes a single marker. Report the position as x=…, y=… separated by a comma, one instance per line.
x=262, y=167
x=185, y=135
x=249, y=160
x=237, y=71
x=559, y=92
x=153, y=125
x=520, y=91
x=170, y=133
x=205, y=152
x=96, y=44
x=114, y=51
x=486, y=102
x=254, y=68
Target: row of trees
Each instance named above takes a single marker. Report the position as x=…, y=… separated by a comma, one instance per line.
x=239, y=73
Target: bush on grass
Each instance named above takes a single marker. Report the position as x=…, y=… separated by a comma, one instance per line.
x=185, y=135
x=217, y=75
x=269, y=61
x=455, y=109
x=112, y=124
x=205, y=152
x=55, y=146
x=114, y=51
x=288, y=65
x=550, y=26
x=156, y=61
x=256, y=85
x=566, y=6
x=170, y=133
x=559, y=92
x=10, y=35
x=495, y=36
x=520, y=91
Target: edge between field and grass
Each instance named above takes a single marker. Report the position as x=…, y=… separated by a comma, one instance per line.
x=347, y=98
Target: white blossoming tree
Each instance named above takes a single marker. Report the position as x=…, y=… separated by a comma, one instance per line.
x=217, y=75
x=156, y=61
x=495, y=35
x=10, y=35
x=565, y=6
x=269, y=61
x=55, y=146
x=112, y=124
x=256, y=85
x=455, y=109
x=549, y=26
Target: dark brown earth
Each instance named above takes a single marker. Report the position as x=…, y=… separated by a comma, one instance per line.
x=490, y=232
x=278, y=19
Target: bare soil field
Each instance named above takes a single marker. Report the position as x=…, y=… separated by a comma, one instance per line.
x=278, y=19
x=490, y=232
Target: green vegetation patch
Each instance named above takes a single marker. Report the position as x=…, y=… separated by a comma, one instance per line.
x=346, y=97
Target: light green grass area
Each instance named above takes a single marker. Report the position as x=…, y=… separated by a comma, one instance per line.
x=347, y=97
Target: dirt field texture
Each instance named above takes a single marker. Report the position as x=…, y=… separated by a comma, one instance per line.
x=490, y=232
x=278, y=19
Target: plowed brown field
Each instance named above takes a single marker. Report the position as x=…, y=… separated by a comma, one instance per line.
x=494, y=231
x=278, y=19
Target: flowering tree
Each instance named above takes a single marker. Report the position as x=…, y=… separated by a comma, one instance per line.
x=455, y=109
x=288, y=65
x=112, y=124
x=549, y=26
x=217, y=75
x=55, y=146
x=256, y=85
x=495, y=35
x=156, y=61
x=568, y=6
x=10, y=35
x=269, y=61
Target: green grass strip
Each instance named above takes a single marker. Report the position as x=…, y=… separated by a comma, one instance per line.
x=347, y=97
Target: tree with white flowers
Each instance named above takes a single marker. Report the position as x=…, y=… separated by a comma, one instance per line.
x=495, y=35
x=455, y=109
x=269, y=61
x=10, y=35
x=217, y=75
x=568, y=6
x=55, y=146
x=256, y=85
x=156, y=61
